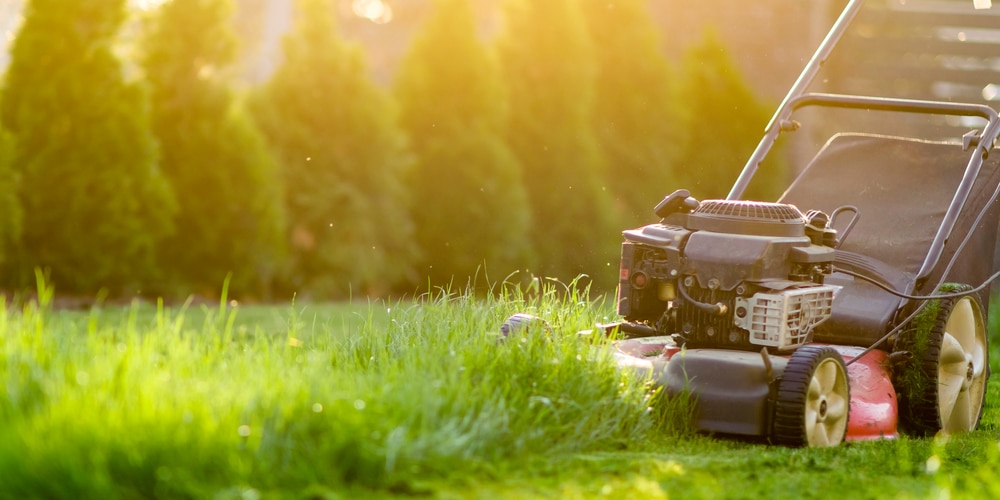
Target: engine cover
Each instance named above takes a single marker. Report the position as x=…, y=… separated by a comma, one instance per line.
x=736, y=241
x=754, y=218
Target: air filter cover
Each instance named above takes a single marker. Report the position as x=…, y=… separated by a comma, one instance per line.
x=753, y=218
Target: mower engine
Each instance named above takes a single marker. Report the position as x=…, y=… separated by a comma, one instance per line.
x=728, y=274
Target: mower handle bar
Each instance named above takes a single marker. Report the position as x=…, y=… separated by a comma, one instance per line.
x=797, y=98
x=987, y=140
x=798, y=90
x=897, y=105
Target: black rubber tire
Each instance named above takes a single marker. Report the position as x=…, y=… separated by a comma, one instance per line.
x=800, y=394
x=922, y=410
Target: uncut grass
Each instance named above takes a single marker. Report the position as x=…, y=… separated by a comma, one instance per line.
x=196, y=402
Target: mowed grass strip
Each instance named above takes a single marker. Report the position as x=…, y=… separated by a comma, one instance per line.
x=393, y=398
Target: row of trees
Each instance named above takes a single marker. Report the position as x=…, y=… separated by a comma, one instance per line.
x=529, y=151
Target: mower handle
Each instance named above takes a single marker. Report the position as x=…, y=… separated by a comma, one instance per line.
x=797, y=96
x=987, y=140
x=897, y=105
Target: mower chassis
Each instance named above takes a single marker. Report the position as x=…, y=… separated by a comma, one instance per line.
x=736, y=390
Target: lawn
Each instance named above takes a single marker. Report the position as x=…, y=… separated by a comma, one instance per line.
x=407, y=398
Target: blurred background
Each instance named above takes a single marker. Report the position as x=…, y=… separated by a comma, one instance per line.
x=337, y=149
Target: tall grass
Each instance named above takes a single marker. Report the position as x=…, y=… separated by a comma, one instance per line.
x=196, y=402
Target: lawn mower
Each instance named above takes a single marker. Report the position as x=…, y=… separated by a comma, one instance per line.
x=852, y=306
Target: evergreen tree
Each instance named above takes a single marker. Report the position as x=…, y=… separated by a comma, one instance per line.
x=726, y=122
x=10, y=207
x=94, y=201
x=343, y=159
x=473, y=206
x=226, y=182
x=547, y=61
x=638, y=116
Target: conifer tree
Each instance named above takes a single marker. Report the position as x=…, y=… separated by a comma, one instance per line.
x=473, y=206
x=343, y=158
x=726, y=122
x=230, y=216
x=638, y=116
x=10, y=207
x=94, y=201
x=547, y=60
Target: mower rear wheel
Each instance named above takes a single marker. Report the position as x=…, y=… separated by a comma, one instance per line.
x=813, y=402
x=954, y=365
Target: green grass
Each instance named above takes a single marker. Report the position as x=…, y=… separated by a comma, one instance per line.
x=407, y=398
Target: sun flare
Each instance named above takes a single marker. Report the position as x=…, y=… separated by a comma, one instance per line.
x=375, y=11
x=147, y=4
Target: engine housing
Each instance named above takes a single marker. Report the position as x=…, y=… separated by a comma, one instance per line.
x=729, y=274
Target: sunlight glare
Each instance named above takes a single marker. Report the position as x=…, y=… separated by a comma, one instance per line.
x=147, y=4
x=991, y=92
x=375, y=11
x=974, y=35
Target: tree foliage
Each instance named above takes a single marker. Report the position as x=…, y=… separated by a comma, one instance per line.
x=226, y=181
x=531, y=152
x=726, y=121
x=472, y=202
x=95, y=203
x=10, y=206
x=638, y=114
x=343, y=159
x=547, y=61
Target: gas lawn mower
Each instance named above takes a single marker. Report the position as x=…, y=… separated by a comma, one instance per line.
x=864, y=313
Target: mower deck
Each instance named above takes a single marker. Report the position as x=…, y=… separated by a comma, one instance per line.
x=735, y=390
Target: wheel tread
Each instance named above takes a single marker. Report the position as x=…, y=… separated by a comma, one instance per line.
x=788, y=427
x=920, y=415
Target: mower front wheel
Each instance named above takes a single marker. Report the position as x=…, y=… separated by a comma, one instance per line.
x=813, y=399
